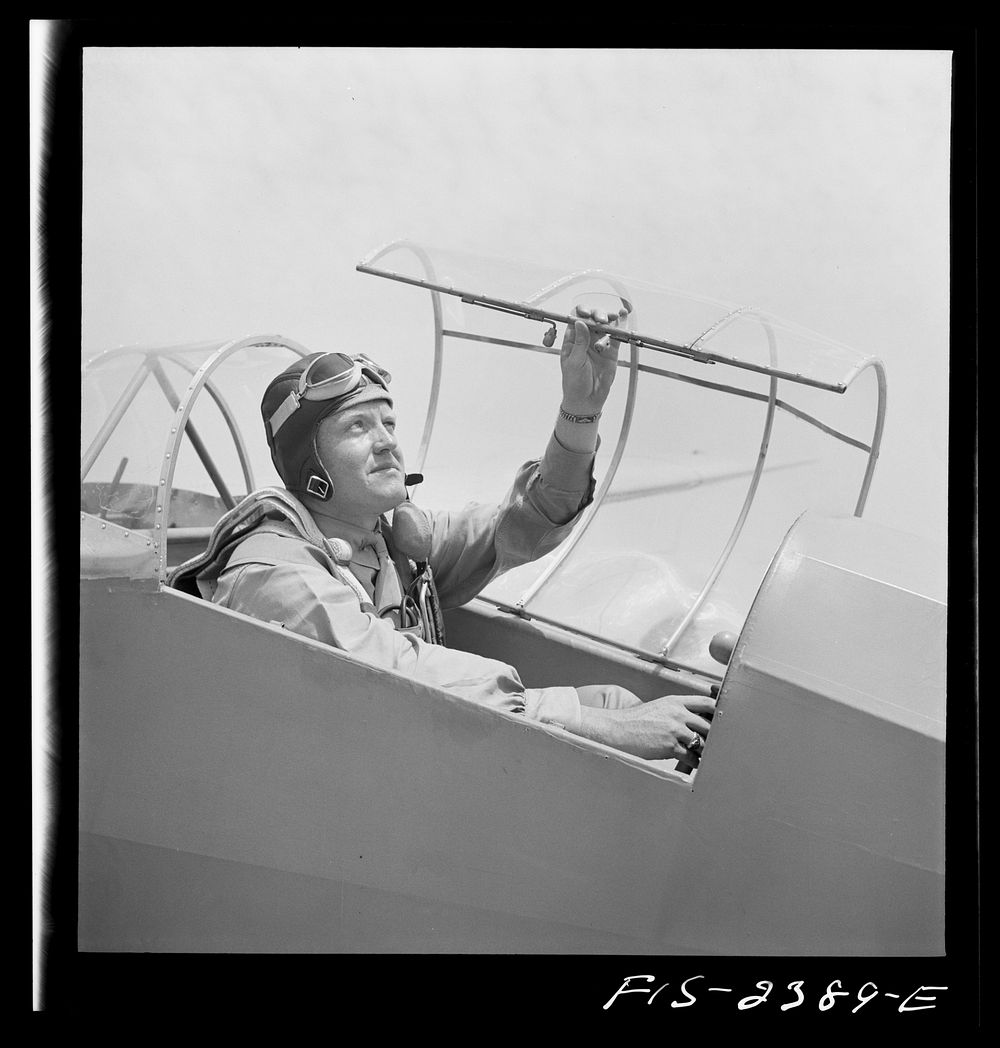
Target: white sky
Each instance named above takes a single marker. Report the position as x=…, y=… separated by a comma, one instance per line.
x=232, y=191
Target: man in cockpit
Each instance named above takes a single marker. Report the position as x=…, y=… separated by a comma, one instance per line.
x=321, y=559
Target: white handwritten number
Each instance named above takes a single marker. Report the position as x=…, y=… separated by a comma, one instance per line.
x=797, y=987
x=865, y=1000
x=754, y=999
x=827, y=1000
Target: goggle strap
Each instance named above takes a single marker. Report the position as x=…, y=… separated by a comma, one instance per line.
x=380, y=374
x=341, y=383
x=285, y=410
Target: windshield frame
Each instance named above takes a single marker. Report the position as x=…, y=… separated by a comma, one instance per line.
x=214, y=354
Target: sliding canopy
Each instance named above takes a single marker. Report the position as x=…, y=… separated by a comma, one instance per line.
x=724, y=425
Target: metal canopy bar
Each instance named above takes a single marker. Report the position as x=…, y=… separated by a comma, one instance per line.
x=646, y=656
x=231, y=422
x=196, y=442
x=647, y=341
x=764, y=398
x=151, y=351
x=720, y=324
x=879, y=368
x=705, y=383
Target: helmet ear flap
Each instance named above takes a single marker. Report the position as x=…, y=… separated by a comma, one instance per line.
x=313, y=472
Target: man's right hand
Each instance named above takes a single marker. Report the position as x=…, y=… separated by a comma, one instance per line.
x=657, y=730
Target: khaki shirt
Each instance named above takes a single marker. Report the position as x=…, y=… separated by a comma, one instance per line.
x=276, y=575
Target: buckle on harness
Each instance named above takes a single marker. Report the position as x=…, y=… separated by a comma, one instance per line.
x=317, y=486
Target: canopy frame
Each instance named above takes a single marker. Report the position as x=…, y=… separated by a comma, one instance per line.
x=181, y=424
x=533, y=308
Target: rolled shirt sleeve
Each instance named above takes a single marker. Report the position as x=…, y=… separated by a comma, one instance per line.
x=307, y=600
x=473, y=545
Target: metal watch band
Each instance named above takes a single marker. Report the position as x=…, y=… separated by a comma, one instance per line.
x=578, y=418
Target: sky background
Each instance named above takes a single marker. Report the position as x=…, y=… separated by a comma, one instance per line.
x=232, y=191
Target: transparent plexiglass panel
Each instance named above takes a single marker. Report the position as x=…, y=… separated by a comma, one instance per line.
x=121, y=468
x=129, y=403
x=663, y=523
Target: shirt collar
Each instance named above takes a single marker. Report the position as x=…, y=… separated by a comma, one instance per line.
x=362, y=540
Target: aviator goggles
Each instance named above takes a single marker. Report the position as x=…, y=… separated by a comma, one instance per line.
x=329, y=377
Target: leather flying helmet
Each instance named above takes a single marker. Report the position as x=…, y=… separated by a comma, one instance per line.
x=296, y=402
